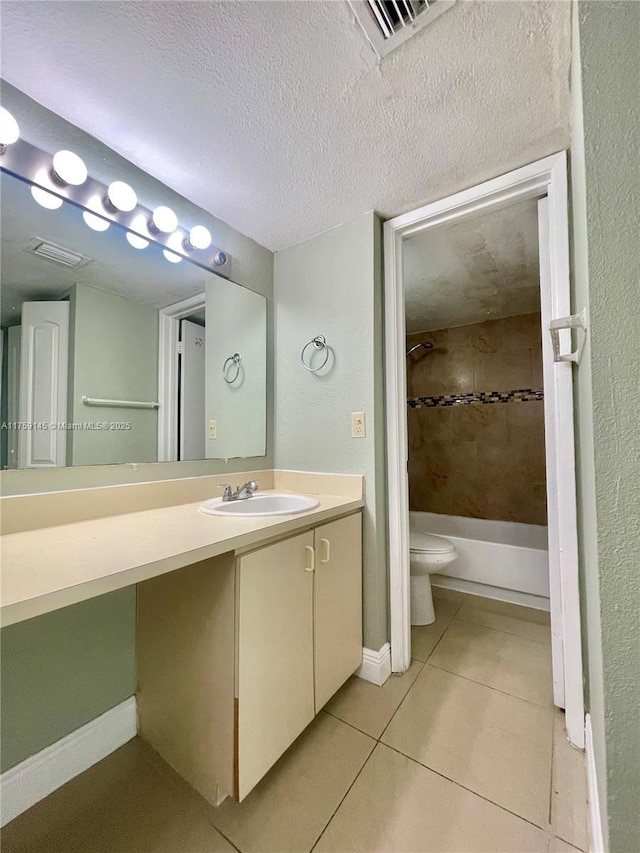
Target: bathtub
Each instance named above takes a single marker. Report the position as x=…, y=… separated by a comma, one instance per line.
x=499, y=559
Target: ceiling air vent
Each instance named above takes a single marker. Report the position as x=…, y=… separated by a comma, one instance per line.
x=53, y=252
x=389, y=23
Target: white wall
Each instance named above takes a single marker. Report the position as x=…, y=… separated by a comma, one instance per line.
x=331, y=285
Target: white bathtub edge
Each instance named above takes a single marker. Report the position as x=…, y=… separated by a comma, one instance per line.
x=512, y=596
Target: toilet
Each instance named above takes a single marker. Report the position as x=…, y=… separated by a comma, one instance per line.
x=429, y=554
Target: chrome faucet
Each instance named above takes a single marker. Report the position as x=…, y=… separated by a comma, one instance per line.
x=241, y=493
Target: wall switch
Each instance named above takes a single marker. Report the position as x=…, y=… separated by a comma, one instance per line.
x=213, y=429
x=357, y=425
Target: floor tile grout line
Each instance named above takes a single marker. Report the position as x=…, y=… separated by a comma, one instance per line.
x=228, y=840
x=499, y=631
x=464, y=787
x=489, y=686
x=351, y=725
x=346, y=794
x=471, y=595
x=502, y=631
x=446, y=628
x=401, y=703
x=424, y=663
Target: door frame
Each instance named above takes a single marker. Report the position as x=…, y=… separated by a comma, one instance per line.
x=544, y=178
x=168, y=337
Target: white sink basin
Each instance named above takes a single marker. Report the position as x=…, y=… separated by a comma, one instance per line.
x=269, y=503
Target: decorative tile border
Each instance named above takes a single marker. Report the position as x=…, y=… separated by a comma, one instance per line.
x=523, y=395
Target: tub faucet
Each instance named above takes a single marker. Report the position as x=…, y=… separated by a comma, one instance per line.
x=241, y=493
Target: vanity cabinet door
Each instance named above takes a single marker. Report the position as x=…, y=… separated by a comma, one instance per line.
x=274, y=655
x=338, y=605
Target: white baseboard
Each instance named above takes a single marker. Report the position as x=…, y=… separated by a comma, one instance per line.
x=39, y=775
x=596, y=835
x=538, y=602
x=376, y=666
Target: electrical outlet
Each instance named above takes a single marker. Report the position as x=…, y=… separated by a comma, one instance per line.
x=357, y=425
x=213, y=429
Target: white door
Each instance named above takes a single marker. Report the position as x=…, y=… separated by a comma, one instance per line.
x=562, y=514
x=14, y=341
x=44, y=359
x=192, y=391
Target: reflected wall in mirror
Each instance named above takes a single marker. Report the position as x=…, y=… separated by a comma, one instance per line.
x=79, y=315
x=234, y=399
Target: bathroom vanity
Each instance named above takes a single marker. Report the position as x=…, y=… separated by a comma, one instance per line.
x=246, y=626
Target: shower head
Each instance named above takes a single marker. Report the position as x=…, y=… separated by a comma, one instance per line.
x=425, y=345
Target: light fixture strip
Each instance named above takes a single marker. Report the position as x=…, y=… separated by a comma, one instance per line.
x=24, y=161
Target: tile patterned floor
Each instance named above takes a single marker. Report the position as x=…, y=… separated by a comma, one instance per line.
x=462, y=753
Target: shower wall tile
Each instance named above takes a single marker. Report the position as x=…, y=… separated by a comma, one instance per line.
x=484, y=461
x=502, y=371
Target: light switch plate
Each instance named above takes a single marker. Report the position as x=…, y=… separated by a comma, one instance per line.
x=358, y=427
x=213, y=429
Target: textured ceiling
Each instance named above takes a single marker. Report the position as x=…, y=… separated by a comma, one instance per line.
x=481, y=268
x=144, y=276
x=277, y=118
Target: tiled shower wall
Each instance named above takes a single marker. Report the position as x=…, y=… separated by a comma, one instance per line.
x=483, y=459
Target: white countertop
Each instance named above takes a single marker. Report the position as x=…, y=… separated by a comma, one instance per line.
x=50, y=568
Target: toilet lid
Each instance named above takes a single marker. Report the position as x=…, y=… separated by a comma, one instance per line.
x=427, y=543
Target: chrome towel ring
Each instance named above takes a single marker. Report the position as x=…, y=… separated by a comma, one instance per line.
x=227, y=368
x=318, y=343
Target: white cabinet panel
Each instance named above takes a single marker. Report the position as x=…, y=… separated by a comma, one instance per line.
x=337, y=605
x=275, y=699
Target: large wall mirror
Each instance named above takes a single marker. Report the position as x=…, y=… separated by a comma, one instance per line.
x=91, y=323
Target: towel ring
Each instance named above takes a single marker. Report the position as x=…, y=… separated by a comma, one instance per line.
x=319, y=342
x=235, y=360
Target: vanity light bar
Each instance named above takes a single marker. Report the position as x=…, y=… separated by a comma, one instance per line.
x=63, y=179
x=9, y=130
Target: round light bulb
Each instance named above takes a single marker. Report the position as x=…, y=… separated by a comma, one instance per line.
x=96, y=223
x=9, y=130
x=199, y=237
x=137, y=242
x=46, y=199
x=121, y=196
x=69, y=168
x=171, y=256
x=138, y=225
x=164, y=219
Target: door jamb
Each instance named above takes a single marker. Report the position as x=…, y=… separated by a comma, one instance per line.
x=547, y=177
x=168, y=336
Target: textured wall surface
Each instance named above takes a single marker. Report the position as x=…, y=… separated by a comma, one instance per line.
x=278, y=118
x=331, y=286
x=485, y=460
x=63, y=669
x=606, y=198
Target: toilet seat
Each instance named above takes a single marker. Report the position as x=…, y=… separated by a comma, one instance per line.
x=427, y=543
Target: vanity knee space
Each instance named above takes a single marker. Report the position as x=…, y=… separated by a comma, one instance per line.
x=237, y=654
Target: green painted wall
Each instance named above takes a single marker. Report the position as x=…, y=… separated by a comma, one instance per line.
x=113, y=355
x=63, y=669
x=331, y=285
x=605, y=178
